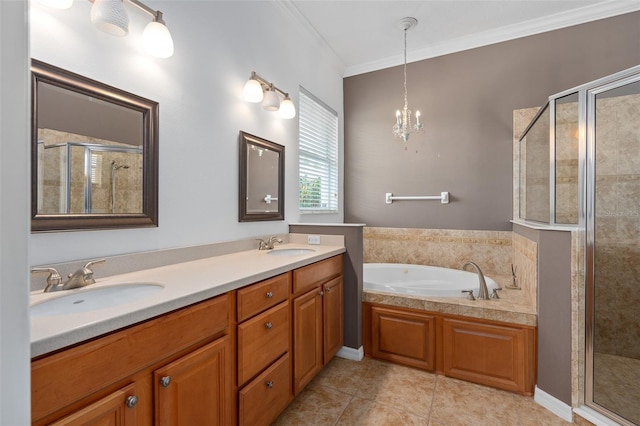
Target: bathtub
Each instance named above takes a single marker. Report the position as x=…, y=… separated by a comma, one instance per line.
x=421, y=280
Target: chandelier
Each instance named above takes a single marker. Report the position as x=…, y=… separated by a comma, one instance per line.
x=403, y=127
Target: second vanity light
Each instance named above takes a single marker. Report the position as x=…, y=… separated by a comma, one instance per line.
x=257, y=89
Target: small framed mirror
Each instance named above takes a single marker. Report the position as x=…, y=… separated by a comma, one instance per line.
x=261, y=192
x=94, y=154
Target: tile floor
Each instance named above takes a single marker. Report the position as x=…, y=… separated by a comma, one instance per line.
x=372, y=392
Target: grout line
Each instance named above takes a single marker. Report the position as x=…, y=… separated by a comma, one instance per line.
x=433, y=397
x=343, y=410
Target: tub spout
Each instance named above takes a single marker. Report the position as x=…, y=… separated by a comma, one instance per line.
x=483, y=292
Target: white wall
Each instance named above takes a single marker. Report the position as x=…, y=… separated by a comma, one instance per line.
x=199, y=89
x=14, y=224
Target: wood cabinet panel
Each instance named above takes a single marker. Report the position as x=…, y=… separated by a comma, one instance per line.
x=261, y=296
x=65, y=377
x=403, y=337
x=307, y=338
x=195, y=389
x=262, y=340
x=111, y=410
x=315, y=274
x=477, y=350
x=333, y=318
x=262, y=400
x=487, y=354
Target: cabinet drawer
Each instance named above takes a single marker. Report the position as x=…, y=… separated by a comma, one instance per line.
x=263, y=295
x=261, y=340
x=265, y=397
x=309, y=276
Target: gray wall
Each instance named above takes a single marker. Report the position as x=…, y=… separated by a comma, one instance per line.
x=352, y=279
x=554, y=310
x=466, y=100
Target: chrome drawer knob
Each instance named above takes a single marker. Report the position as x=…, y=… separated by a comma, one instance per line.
x=131, y=401
x=268, y=325
x=270, y=384
x=321, y=293
x=165, y=381
x=328, y=289
x=269, y=294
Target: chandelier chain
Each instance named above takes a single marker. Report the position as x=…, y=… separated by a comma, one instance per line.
x=406, y=104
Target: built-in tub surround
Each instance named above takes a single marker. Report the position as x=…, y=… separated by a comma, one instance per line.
x=493, y=251
x=185, y=283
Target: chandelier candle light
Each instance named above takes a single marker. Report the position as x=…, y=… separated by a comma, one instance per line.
x=403, y=127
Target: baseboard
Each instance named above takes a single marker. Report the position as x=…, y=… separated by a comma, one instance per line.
x=553, y=404
x=351, y=353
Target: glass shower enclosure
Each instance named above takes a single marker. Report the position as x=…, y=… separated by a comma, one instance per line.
x=579, y=165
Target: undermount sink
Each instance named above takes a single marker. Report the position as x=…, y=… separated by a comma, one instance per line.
x=94, y=298
x=290, y=252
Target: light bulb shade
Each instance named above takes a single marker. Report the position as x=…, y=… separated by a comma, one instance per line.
x=57, y=4
x=110, y=17
x=253, y=91
x=271, y=101
x=157, y=41
x=287, y=109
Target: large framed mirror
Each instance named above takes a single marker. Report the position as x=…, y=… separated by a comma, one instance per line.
x=261, y=192
x=94, y=154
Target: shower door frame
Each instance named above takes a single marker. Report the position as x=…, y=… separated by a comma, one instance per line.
x=614, y=81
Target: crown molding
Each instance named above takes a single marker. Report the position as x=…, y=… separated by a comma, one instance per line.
x=509, y=32
x=291, y=11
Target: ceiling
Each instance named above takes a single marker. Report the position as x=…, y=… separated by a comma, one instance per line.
x=364, y=35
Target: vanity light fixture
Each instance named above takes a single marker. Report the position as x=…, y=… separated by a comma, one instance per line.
x=257, y=89
x=111, y=17
x=403, y=127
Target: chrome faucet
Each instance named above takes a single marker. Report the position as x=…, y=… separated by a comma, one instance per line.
x=268, y=245
x=483, y=292
x=80, y=278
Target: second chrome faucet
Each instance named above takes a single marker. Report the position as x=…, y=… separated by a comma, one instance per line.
x=268, y=245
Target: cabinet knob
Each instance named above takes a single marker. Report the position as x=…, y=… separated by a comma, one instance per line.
x=165, y=381
x=321, y=293
x=131, y=401
x=328, y=289
x=268, y=325
x=270, y=384
x=269, y=294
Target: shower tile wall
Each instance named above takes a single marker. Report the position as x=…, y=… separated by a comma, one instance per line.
x=618, y=226
x=52, y=176
x=577, y=317
x=566, y=196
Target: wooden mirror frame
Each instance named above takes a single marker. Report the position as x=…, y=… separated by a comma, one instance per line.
x=244, y=215
x=45, y=73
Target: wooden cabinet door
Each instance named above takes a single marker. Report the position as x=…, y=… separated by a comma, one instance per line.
x=196, y=389
x=404, y=337
x=116, y=409
x=333, y=318
x=307, y=337
x=488, y=354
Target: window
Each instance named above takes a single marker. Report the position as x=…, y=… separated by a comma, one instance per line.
x=318, y=171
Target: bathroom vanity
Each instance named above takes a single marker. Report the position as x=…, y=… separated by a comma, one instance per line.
x=237, y=357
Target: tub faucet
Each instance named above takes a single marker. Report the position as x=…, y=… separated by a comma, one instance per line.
x=483, y=292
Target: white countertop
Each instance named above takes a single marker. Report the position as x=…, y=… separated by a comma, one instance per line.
x=184, y=284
